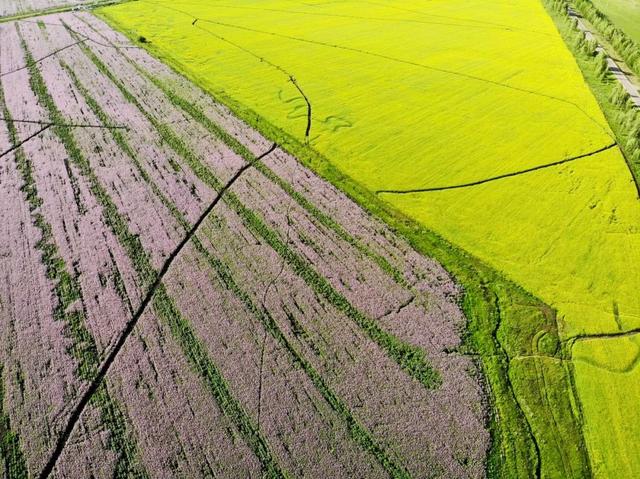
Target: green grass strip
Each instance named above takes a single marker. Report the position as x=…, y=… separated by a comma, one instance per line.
x=68, y=292
x=196, y=352
x=13, y=460
x=164, y=306
x=356, y=431
x=410, y=358
x=123, y=144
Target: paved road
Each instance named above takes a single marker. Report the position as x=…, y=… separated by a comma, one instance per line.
x=614, y=68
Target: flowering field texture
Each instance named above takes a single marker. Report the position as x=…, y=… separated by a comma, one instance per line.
x=472, y=119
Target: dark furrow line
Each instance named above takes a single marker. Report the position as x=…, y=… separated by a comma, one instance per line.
x=357, y=433
x=292, y=79
x=67, y=125
x=308, y=129
x=68, y=290
x=325, y=220
x=38, y=60
x=393, y=59
x=164, y=306
x=106, y=365
x=411, y=359
x=30, y=137
x=499, y=177
x=594, y=336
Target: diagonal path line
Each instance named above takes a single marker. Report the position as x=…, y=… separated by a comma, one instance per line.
x=106, y=365
x=38, y=60
x=393, y=59
x=499, y=177
x=15, y=147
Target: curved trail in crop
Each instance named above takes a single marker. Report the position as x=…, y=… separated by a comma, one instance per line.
x=281, y=69
x=385, y=57
x=499, y=177
x=106, y=365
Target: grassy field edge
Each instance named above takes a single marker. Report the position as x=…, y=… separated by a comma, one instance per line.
x=623, y=117
x=513, y=334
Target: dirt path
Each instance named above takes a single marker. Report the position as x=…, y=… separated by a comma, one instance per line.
x=618, y=73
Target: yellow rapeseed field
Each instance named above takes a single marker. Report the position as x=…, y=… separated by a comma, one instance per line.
x=421, y=95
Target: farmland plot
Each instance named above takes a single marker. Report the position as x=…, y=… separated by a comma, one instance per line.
x=623, y=13
x=238, y=331
x=472, y=119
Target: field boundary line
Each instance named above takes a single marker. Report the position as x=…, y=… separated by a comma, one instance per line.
x=499, y=177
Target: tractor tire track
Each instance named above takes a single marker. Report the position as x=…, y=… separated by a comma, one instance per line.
x=499, y=177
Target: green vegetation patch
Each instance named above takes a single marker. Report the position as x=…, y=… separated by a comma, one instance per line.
x=13, y=462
